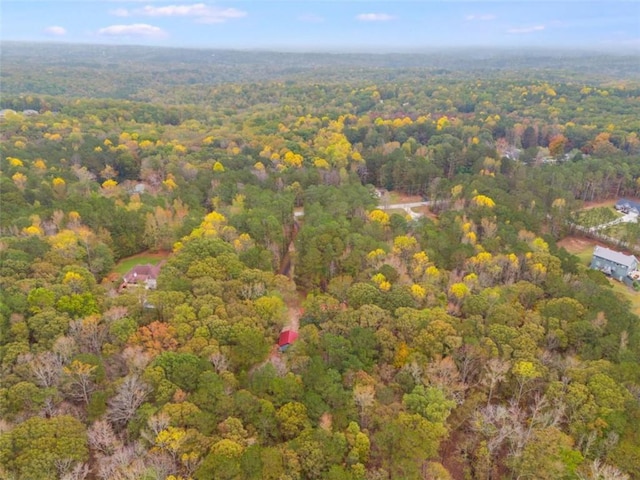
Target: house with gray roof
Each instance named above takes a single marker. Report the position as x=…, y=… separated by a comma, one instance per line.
x=612, y=263
x=626, y=205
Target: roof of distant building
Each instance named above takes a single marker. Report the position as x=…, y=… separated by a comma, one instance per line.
x=613, y=256
x=625, y=202
x=140, y=273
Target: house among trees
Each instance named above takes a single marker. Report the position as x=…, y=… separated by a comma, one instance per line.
x=614, y=264
x=287, y=337
x=142, y=276
x=625, y=205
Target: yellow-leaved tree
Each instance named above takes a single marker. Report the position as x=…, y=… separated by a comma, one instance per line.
x=20, y=180
x=483, y=201
x=379, y=216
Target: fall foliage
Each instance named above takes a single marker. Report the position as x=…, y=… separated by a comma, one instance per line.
x=402, y=220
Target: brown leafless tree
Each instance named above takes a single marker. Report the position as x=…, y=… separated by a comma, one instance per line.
x=123, y=406
x=102, y=439
x=602, y=471
x=495, y=372
x=79, y=471
x=89, y=333
x=46, y=367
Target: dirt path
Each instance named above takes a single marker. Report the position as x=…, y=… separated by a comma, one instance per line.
x=294, y=312
x=599, y=203
x=576, y=244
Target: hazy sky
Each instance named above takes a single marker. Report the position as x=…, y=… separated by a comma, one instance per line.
x=326, y=25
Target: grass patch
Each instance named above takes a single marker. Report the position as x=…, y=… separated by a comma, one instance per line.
x=397, y=197
x=585, y=256
x=580, y=247
x=627, y=293
x=128, y=263
x=394, y=197
x=399, y=211
x=616, y=231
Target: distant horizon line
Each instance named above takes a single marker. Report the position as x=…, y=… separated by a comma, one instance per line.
x=369, y=50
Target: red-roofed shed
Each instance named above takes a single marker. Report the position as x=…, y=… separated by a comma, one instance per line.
x=287, y=337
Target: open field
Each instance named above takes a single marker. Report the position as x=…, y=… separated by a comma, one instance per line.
x=126, y=264
x=616, y=231
x=580, y=247
x=633, y=297
x=398, y=197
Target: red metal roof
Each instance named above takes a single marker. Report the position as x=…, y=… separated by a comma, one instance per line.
x=287, y=337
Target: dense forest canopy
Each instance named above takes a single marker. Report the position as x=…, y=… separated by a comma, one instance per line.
x=126, y=71
x=456, y=341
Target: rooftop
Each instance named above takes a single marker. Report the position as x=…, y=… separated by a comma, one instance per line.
x=140, y=273
x=625, y=202
x=613, y=256
x=287, y=337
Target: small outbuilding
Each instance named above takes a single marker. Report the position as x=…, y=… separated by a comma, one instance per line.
x=287, y=337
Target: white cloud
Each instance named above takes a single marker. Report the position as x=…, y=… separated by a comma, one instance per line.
x=483, y=17
x=134, y=30
x=221, y=15
x=55, y=30
x=535, y=28
x=375, y=17
x=195, y=10
x=201, y=12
